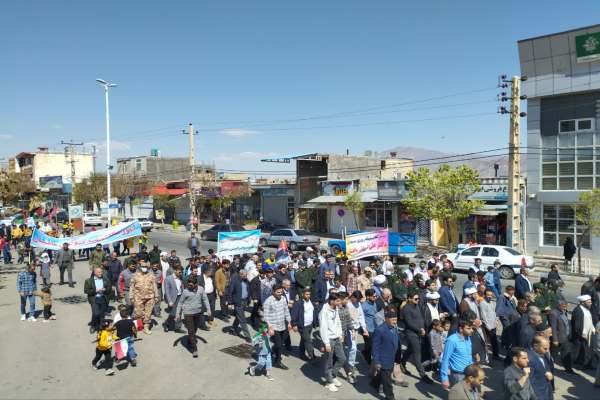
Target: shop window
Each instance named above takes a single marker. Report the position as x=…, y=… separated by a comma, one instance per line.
x=559, y=223
x=378, y=217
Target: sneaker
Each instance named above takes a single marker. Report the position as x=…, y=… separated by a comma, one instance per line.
x=94, y=367
x=109, y=372
x=351, y=379
x=195, y=354
x=23, y=317
x=332, y=387
x=269, y=377
x=337, y=382
x=53, y=317
x=147, y=331
x=32, y=319
x=251, y=371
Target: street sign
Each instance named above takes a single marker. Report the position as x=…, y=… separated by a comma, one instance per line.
x=341, y=212
x=587, y=47
x=113, y=205
x=76, y=211
x=159, y=214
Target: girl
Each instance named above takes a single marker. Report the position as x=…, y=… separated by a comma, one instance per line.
x=104, y=342
x=45, y=268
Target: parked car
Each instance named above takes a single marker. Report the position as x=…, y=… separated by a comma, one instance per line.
x=295, y=239
x=91, y=218
x=511, y=260
x=213, y=233
x=145, y=223
x=269, y=227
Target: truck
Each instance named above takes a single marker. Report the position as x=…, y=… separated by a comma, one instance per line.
x=401, y=245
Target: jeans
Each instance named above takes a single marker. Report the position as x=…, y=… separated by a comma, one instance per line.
x=47, y=312
x=350, y=348
x=131, y=354
x=331, y=368
x=31, y=299
x=263, y=361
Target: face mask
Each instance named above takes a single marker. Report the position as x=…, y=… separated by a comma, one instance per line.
x=144, y=269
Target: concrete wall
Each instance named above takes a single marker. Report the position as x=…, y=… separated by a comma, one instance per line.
x=56, y=164
x=366, y=169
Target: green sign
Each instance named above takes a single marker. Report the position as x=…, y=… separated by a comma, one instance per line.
x=588, y=47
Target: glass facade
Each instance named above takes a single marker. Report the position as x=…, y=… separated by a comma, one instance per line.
x=559, y=222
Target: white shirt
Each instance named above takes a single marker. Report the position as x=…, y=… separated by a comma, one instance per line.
x=165, y=266
x=309, y=310
x=250, y=265
x=178, y=284
x=435, y=314
x=208, y=285
x=329, y=287
x=388, y=267
x=423, y=272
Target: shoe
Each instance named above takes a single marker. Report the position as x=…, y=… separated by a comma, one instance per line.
x=204, y=328
x=269, y=377
x=403, y=384
x=427, y=379
x=195, y=354
x=92, y=330
x=46, y=321
x=337, y=382
x=351, y=379
x=332, y=387
x=133, y=362
x=32, y=319
x=147, y=331
x=165, y=328
x=109, y=372
x=251, y=371
x=281, y=366
x=23, y=317
x=94, y=367
x=71, y=285
x=570, y=371
x=53, y=317
x=380, y=390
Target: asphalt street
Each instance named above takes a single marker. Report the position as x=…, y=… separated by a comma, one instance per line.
x=52, y=360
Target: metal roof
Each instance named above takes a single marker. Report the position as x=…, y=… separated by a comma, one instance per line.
x=287, y=158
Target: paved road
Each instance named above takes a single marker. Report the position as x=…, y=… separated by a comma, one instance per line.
x=52, y=361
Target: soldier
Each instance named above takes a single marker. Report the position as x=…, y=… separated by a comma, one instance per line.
x=144, y=294
x=96, y=257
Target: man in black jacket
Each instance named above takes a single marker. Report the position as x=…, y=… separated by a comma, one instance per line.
x=98, y=289
x=304, y=308
x=414, y=328
x=561, y=327
x=238, y=297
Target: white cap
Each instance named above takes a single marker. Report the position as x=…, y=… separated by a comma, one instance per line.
x=432, y=296
x=308, y=248
x=164, y=253
x=470, y=290
x=584, y=297
x=379, y=280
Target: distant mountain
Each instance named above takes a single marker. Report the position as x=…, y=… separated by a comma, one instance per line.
x=432, y=159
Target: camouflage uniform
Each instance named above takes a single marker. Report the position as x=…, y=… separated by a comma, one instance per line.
x=96, y=258
x=143, y=294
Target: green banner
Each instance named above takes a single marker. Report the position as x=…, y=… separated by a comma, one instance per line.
x=587, y=47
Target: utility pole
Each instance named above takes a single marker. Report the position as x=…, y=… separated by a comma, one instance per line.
x=71, y=151
x=94, y=159
x=515, y=200
x=191, y=134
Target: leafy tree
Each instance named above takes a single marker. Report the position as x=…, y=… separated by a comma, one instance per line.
x=353, y=202
x=443, y=195
x=14, y=186
x=126, y=187
x=91, y=190
x=587, y=213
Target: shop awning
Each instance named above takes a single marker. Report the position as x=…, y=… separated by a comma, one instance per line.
x=491, y=210
x=312, y=206
x=366, y=197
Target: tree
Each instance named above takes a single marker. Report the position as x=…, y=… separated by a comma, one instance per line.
x=14, y=186
x=91, y=190
x=587, y=213
x=443, y=195
x=126, y=187
x=353, y=202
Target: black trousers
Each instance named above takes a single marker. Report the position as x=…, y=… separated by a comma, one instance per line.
x=47, y=312
x=212, y=300
x=171, y=323
x=108, y=361
x=224, y=313
x=240, y=319
x=278, y=339
x=368, y=347
x=192, y=323
x=563, y=353
x=413, y=352
x=99, y=307
x=493, y=339
x=306, y=344
x=384, y=377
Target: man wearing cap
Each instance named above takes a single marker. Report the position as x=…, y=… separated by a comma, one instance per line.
x=582, y=329
x=385, y=345
x=144, y=294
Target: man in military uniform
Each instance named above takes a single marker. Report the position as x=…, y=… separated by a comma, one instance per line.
x=144, y=294
x=96, y=257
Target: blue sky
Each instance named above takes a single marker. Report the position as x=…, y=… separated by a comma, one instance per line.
x=241, y=70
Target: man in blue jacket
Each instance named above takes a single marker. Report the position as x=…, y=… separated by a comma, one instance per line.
x=448, y=300
x=542, y=368
x=385, y=344
x=523, y=284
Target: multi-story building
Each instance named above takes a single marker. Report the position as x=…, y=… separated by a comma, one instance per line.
x=157, y=168
x=563, y=136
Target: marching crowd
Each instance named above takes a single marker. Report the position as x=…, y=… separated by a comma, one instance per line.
x=344, y=313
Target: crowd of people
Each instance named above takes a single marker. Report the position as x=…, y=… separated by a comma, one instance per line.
x=346, y=315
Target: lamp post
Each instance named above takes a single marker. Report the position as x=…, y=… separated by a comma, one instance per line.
x=106, y=86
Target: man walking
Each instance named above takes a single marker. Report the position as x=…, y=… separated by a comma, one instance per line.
x=303, y=320
x=517, y=385
x=26, y=286
x=522, y=283
x=144, y=293
x=114, y=270
x=97, y=257
x=561, y=330
x=414, y=328
x=488, y=318
x=582, y=329
x=173, y=290
x=542, y=368
x=193, y=244
x=238, y=297
x=98, y=289
x=457, y=355
x=278, y=319
x=64, y=260
x=385, y=345
x=470, y=387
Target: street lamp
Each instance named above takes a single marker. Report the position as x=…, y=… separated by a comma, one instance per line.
x=106, y=86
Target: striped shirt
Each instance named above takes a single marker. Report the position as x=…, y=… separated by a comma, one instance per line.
x=277, y=313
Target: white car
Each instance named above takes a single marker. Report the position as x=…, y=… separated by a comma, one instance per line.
x=145, y=223
x=510, y=259
x=90, y=218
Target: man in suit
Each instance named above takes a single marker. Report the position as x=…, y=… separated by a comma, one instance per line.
x=385, y=344
x=542, y=368
x=64, y=260
x=98, y=290
x=448, y=300
x=238, y=297
x=527, y=330
x=522, y=284
x=304, y=318
x=173, y=289
x=321, y=289
x=470, y=387
x=561, y=329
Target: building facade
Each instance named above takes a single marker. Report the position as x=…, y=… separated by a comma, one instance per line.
x=563, y=136
x=159, y=168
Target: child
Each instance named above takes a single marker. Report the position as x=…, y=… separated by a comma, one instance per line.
x=436, y=338
x=104, y=344
x=263, y=350
x=46, y=296
x=117, y=316
x=20, y=252
x=126, y=330
x=45, y=268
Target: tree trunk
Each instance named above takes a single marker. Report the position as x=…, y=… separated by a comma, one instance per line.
x=354, y=213
x=130, y=206
x=448, y=235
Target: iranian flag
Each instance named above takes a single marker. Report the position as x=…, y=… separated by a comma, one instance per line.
x=139, y=324
x=121, y=347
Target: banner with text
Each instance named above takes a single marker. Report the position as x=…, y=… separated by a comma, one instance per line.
x=367, y=244
x=87, y=240
x=234, y=243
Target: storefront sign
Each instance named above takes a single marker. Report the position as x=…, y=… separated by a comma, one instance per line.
x=391, y=190
x=338, y=188
x=587, y=47
x=51, y=182
x=367, y=244
x=279, y=192
x=496, y=192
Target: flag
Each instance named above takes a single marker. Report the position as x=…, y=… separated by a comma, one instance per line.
x=121, y=347
x=282, y=255
x=139, y=324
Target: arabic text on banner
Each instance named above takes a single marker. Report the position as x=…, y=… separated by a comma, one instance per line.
x=367, y=244
x=87, y=240
x=234, y=243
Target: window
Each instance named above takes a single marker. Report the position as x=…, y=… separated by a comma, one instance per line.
x=571, y=161
x=558, y=223
x=490, y=252
x=138, y=164
x=575, y=125
x=473, y=251
x=378, y=217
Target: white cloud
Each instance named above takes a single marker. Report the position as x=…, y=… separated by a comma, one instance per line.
x=239, y=132
x=6, y=136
